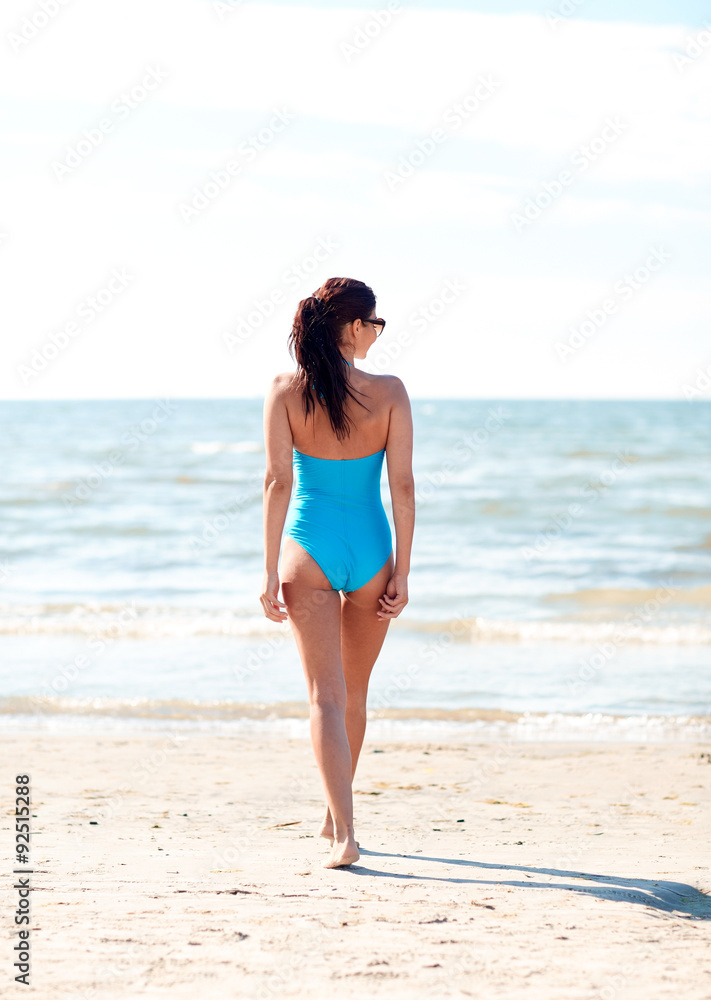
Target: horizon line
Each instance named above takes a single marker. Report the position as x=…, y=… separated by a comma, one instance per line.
x=427, y=399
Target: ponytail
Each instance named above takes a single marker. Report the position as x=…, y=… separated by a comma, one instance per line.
x=314, y=345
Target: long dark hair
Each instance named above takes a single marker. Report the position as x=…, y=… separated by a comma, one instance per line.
x=313, y=343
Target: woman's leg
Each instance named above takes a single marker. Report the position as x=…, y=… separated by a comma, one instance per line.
x=362, y=637
x=314, y=610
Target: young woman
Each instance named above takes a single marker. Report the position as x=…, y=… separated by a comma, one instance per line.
x=341, y=585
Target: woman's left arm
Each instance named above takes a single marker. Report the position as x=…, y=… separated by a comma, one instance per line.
x=278, y=444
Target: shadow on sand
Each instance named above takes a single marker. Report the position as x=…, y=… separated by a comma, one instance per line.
x=670, y=897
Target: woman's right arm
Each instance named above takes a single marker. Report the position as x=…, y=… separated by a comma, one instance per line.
x=402, y=492
x=278, y=480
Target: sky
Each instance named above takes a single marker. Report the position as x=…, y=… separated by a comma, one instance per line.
x=524, y=186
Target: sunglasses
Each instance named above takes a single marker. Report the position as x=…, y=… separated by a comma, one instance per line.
x=379, y=325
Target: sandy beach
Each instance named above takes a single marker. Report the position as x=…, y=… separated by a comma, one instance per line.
x=556, y=870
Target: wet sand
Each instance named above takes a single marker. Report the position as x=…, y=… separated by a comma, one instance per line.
x=190, y=865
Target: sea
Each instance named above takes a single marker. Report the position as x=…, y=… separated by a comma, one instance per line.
x=560, y=585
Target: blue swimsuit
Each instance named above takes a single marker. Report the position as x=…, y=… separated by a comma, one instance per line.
x=337, y=515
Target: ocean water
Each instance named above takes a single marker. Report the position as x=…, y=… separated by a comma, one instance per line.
x=560, y=582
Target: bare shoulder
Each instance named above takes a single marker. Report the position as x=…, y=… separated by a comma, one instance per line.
x=394, y=387
x=281, y=384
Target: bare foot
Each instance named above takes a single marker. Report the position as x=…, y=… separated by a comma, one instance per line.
x=327, y=829
x=345, y=853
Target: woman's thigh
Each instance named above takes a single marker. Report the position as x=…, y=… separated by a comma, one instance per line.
x=314, y=610
x=362, y=631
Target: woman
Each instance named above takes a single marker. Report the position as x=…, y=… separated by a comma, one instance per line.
x=341, y=585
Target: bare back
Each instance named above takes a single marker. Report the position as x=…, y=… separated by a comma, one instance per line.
x=313, y=435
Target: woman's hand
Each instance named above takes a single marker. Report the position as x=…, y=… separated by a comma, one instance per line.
x=395, y=597
x=270, y=598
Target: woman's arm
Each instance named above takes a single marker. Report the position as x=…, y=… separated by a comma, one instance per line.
x=278, y=478
x=402, y=492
